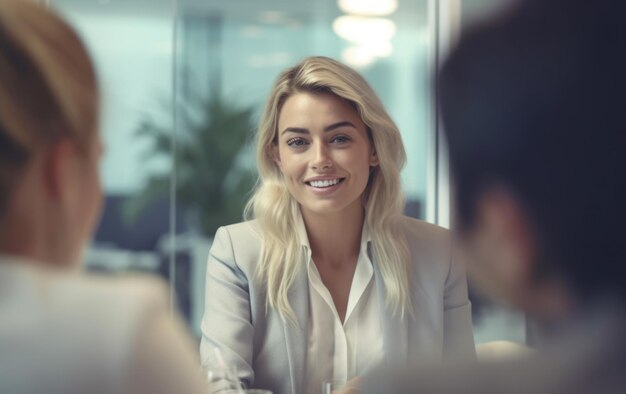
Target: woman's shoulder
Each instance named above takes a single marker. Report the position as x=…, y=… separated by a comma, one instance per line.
x=111, y=309
x=107, y=315
x=426, y=241
x=127, y=296
x=238, y=243
x=240, y=234
x=59, y=285
x=418, y=229
x=248, y=228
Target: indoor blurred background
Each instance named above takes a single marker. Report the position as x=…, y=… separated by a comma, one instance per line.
x=183, y=83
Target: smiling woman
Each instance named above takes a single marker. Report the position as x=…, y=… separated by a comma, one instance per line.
x=325, y=155
x=328, y=279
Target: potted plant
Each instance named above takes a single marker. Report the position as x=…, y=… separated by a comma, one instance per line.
x=212, y=178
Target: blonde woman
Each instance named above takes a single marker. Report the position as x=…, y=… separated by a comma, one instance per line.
x=62, y=332
x=328, y=279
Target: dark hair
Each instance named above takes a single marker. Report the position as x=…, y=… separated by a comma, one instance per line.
x=534, y=102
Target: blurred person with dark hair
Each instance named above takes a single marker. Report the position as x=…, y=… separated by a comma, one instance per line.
x=62, y=332
x=533, y=109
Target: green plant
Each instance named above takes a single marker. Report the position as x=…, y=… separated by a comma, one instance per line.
x=212, y=181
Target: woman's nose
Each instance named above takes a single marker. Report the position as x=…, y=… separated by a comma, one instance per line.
x=321, y=158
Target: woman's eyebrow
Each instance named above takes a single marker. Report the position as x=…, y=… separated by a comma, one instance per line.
x=302, y=130
x=338, y=125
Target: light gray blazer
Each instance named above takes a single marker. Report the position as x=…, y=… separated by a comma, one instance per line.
x=270, y=353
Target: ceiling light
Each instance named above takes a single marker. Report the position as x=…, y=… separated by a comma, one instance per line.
x=357, y=57
x=368, y=7
x=362, y=29
x=272, y=17
x=378, y=48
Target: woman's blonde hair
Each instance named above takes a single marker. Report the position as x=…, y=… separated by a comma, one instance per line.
x=277, y=211
x=48, y=87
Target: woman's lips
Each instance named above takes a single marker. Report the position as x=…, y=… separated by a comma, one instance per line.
x=324, y=186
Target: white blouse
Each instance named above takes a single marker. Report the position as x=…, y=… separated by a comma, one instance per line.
x=340, y=351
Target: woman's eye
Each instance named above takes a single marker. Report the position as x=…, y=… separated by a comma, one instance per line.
x=296, y=142
x=340, y=139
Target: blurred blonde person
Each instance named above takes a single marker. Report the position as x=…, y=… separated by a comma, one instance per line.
x=328, y=279
x=60, y=331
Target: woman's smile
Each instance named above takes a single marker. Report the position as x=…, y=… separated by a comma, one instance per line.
x=322, y=187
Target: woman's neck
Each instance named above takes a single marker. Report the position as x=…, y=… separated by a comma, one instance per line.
x=24, y=241
x=335, y=238
x=30, y=228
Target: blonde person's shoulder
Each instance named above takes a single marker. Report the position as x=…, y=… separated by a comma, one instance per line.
x=421, y=230
x=245, y=231
x=97, y=322
x=430, y=246
x=122, y=302
x=132, y=288
x=238, y=244
x=153, y=350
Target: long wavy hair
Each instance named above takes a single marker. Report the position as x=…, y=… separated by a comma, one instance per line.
x=277, y=211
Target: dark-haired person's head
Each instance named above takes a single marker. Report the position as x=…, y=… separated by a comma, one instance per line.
x=535, y=119
x=50, y=193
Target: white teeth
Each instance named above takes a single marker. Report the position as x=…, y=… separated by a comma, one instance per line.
x=324, y=183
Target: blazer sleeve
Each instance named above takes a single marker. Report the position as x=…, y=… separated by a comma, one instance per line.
x=457, y=324
x=226, y=324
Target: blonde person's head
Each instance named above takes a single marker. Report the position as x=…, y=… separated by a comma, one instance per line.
x=276, y=210
x=47, y=88
x=50, y=192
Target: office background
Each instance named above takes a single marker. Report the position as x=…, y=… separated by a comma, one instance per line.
x=183, y=83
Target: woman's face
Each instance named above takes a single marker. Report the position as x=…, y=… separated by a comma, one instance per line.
x=323, y=152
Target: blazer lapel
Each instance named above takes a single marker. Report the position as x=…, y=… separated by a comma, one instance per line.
x=395, y=327
x=296, y=336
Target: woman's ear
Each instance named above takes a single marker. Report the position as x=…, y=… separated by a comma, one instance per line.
x=272, y=150
x=374, y=158
x=60, y=165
